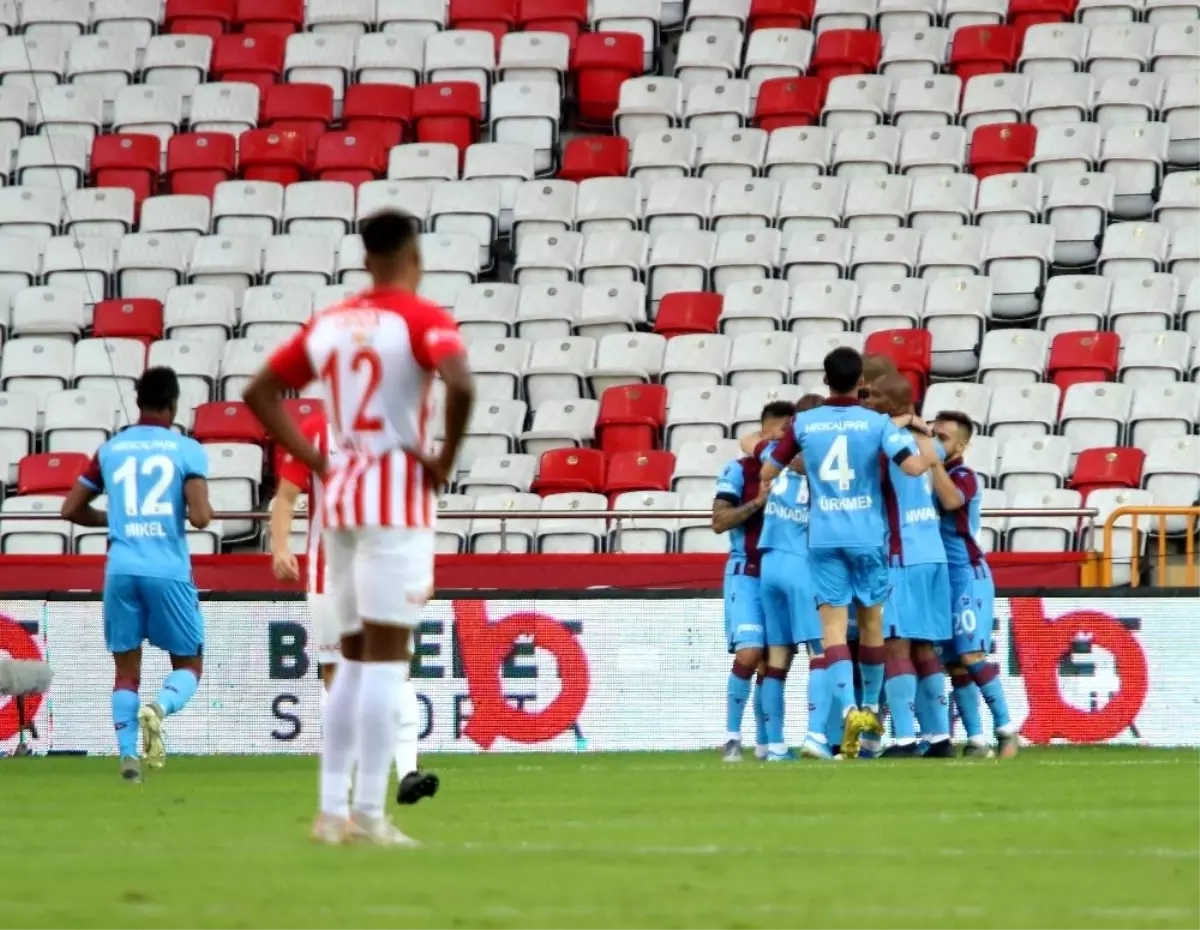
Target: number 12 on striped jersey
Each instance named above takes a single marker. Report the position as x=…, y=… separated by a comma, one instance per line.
x=363, y=360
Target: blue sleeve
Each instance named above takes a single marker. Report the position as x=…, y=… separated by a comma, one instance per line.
x=897, y=444
x=195, y=460
x=941, y=450
x=788, y=447
x=731, y=483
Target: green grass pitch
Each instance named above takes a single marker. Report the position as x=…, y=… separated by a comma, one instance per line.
x=1055, y=838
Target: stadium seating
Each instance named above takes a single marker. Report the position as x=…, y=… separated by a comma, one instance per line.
x=643, y=236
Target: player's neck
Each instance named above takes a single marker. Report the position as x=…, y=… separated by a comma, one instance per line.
x=398, y=283
x=154, y=418
x=843, y=400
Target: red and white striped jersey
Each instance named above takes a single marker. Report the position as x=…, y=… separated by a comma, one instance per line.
x=315, y=430
x=375, y=355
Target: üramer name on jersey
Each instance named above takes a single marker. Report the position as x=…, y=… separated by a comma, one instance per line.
x=862, y=502
x=824, y=426
x=795, y=514
x=920, y=514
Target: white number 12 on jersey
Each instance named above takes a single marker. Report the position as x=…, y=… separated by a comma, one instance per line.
x=836, y=466
x=152, y=505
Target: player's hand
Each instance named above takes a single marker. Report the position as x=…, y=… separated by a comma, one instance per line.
x=437, y=467
x=285, y=566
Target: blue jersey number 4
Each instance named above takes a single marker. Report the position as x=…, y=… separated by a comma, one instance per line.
x=835, y=469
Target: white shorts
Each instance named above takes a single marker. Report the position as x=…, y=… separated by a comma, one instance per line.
x=379, y=574
x=326, y=628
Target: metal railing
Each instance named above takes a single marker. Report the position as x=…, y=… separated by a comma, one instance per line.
x=1191, y=515
x=615, y=517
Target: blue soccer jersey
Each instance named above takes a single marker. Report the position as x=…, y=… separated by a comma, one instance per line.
x=785, y=518
x=960, y=528
x=842, y=442
x=738, y=484
x=914, y=535
x=143, y=469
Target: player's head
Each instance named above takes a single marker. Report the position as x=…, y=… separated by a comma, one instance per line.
x=890, y=394
x=391, y=241
x=875, y=366
x=158, y=392
x=954, y=430
x=774, y=418
x=808, y=402
x=843, y=371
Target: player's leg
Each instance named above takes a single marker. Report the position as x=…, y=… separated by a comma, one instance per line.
x=175, y=626
x=339, y=736
x=326, y=632
x=413, y=783
x=900, y=678
x=393, y=579
x=932, y=711
x=984, y=674
x=124, y=630
x=759, y=708
x=870, y=585
x=777, y=623
x=967, y=647
x=745, y=637
x=833, y=592
x=806, y=631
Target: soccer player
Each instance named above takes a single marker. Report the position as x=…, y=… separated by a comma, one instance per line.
x=972, y=591
x=789, y=610
x=152, y=476
x=738, y=512
x=916, y=615
x=295, y=478
x=375, y=355
x=842, y=442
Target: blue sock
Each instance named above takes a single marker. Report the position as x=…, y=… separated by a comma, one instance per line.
x=966, y=698
x=124, y=713
x=932, y=712
x=840, y=679
x=818, y=697
x=987, y=677
x=177, y=690
x=737, y=692
x=760, y=714
x=871, y=664
x=901, y=685
x=772, y=700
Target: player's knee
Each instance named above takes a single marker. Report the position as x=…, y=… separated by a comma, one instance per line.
x=898, y=648
x=327, y=671
x=749, y=658
x=780, y=657
x=970, y=658
x=193, y=664
x=126, y=682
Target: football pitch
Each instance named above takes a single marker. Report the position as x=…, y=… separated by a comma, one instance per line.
x=1055, y=838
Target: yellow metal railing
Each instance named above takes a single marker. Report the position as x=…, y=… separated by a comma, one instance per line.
x=1192, y=514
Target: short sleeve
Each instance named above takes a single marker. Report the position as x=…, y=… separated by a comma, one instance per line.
x=293, y=470
x=898, y=444
x=731, y=483
x=968, y=485
x=195, y=461
x=787, y=448
x=92, y=477
x=434, y=334
x=291, y=363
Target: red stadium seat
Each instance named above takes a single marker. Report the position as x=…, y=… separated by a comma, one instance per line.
x=1114, y=467
x=278, y=18
x=631, y=417
x=1001, y=148
x=1083, y=357
x=1025, y=13
x=845, y=51
x=50, y=472
x=601, y=62
x=780, y=14
x=910, y=349
x=227, y=421
x=570, y=17
x=386, y=109
x=638, y=471
x=269, y=155
x=595, y=157
x=499, y=17
x=198, y=17
x=682, y=313
x=789, y=101
x=198, y=161
x=567, y=470
x=126, y=161
x=354, y=157
x=129, y=318
x=449, y=111
x=250, y=59
x=983, y=50
x=303, y=108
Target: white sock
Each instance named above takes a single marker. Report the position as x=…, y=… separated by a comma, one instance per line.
x=818, y=738
x=379, y=723
x=980, y=740
x=939, y=738
x=733, y=736
x=340, y=738
x=905, y=741
x=777, y=748
x=410, y=729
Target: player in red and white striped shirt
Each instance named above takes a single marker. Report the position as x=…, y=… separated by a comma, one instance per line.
x=296, y=479
x=375, y=356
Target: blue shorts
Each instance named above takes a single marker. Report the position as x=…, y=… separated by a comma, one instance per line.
x=841, y=576
x=919, y=605
x=743, y=613
x=789, y=611
x=164, y=611
x=973, y=611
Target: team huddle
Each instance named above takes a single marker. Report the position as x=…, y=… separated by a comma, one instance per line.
x=852, y=528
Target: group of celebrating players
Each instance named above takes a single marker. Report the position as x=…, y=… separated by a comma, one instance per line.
x=852, y=528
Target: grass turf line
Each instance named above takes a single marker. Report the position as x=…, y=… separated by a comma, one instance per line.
x=1065, y=838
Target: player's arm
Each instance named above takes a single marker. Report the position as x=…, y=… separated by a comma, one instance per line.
x=953, y=491
x=283, y=561
x=439, y=348
x=726, y=514
x=199, y=507
x=900, y=446
x=288, y=367
x=783, y=453
x=77, y=507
